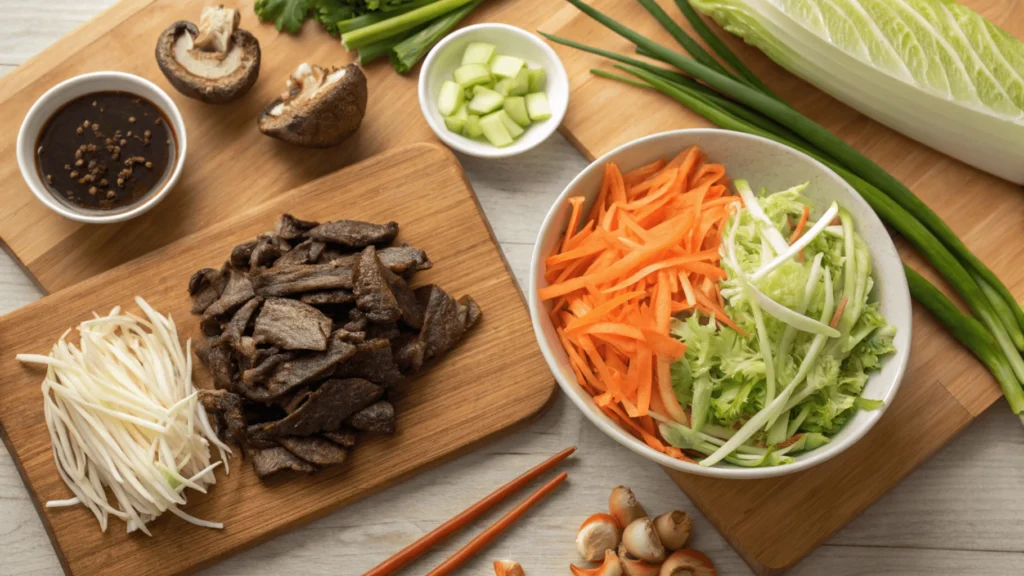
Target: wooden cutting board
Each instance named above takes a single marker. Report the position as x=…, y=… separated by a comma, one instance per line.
x=447, y=410
x=775, y=523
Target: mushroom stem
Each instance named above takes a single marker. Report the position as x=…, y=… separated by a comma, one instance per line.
x=216, y=25
x=688, y=562
x=596, y=535
x=673, y=529
x=624, y=507
x=610, y=567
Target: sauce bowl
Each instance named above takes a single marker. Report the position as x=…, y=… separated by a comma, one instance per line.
x=55, y=98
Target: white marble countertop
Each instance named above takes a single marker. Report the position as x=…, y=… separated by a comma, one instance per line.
x=961, y=513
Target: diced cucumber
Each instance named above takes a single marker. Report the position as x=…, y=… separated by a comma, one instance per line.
x=478, y=53
x=514, y=130
x=472, y=128
x=515, y=107
x=522, y=86
x=538, y=78
x=457, y=121
x=505, y=86
x=504, y=66
x=451, y=98
x=485, y=101
x=471, y=75
x=494, y=129
x=537, y=106
x=467, y=93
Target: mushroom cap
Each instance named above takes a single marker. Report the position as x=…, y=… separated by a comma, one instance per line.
x=327, y=118
x=217, y=87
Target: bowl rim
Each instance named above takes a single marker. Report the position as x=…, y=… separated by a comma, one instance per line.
x=57, y=96
x=615, y=431
x=459, y=143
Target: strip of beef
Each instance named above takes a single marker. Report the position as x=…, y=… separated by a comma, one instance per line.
x=205, y=287
x=373, y=295
x=385, y=331
x=241, y=254
x=296, y=399
x=305, y=253
x=379, y=418
x=289, y=227
x=408, y=351
x=263, y=363
x=264, y=254
x=356, y=321
x=412, y=314
x=445, y=320
x=267, y=461
x=237, y=291
x=355, y=234
x=345, y=438
x=292, y=325
x=328, y=297
x=303, y=370
x=314, y=449
x=404, y=259
x=327, y=408
x=234, y=330
x=227, y=407
x=258, y=438
x=372, y=361
x=218, y=359
x=245, y=350
x=296, y=279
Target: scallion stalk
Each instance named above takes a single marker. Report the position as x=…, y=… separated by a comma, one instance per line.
x=365, y=20
x=399, y=23
x=405, y=54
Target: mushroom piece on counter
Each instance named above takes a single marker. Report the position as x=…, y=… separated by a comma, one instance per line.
x=322, y=107
x=215, y=62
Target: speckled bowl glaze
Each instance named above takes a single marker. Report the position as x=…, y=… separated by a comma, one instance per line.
x=764, y=164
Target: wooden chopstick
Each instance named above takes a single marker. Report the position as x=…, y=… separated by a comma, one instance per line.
x=417, y=548
x=498, y=527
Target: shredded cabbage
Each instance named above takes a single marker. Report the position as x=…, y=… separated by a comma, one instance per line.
x=124, y=416
x=810, y=381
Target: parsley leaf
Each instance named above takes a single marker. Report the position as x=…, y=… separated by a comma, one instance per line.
x=287, y=15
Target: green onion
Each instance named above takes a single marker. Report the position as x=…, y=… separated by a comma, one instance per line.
x=374, y=17
x=689, y=44
x=407, y=53
x=398, y=23
x=381, y=48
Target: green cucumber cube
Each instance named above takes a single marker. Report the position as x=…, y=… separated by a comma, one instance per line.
x=538, y=78
x=537, y=106
x=522, y=87
x=515, y=107
x=471, y=75
x=494, y=130
x=451, y=97
x=505, y=86
x=473, y=129
x=457, y=121
x=514, y=130
x=478, y=53
x=506, y=66
x=485, y=101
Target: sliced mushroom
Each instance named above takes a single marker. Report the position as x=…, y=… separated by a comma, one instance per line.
x=688, y=562
x=215, y=62
x=610, y=567
x=673, y=529
x=596, y=535
x=321, y=108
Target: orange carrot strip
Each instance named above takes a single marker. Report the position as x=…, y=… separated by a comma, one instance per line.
x=664, y=346
x=839, y=312
x=616, y=187
x=799, y=230
x=574, y=219
x=671, y=263
x=614, y=329
x=637, y=175
x=602, y=309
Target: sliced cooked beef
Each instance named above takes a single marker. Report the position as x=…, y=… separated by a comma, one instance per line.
x=404, y=259
x=289, y=227
x=346, y=438
x=296, y=399
x=241, y=254
x=328, y=297
x=267, y=461
x=204, y=287
x=305, y=253
x=237, y=291
x=373, y=295
x=218, y=360
x=228, y=409
x=325, y=410
x=412, y=314
x=264, y=363
x=303, y=370
x=379, y=417
x=210, y=325
x=385, y=331
x=355, y=234
x=314, y=449
x=473, y=312
x=296, y=279
x=245, y=352
x=264, y=254
x=356, y=321
x=292, y=325
x=257, y=437
x=409, y=352
x=372, y=361
x=445, y=320
x=235, y=328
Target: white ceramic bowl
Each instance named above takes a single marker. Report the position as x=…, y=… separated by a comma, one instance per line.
x=765, y=164
x=70, y=89
x=444, y=58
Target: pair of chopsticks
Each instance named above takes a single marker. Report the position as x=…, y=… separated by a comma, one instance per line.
x=417, y=548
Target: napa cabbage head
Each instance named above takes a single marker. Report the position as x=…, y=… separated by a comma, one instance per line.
x=904, y=63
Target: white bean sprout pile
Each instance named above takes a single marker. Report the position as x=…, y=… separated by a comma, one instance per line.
x=124, y=417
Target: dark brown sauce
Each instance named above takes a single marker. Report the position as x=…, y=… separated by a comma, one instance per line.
x=106, y=150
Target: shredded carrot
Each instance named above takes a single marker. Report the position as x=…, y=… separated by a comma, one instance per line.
x=839, y=312
x=647, y=249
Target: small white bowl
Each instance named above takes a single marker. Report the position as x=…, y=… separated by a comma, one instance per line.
x=765, y=164
x=444, y=58
x=67, y=91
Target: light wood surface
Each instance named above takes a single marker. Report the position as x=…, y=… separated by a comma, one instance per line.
x=959, y=513
x=454, y=404
x=776, y=522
